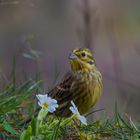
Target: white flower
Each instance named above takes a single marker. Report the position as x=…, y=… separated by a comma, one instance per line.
x=47, y=102
x=75, y=111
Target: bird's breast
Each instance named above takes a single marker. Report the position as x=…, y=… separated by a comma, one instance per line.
x=89, y=89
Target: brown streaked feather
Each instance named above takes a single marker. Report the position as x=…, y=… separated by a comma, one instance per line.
x=63, y=87
x=75, y=86
x=62, y=93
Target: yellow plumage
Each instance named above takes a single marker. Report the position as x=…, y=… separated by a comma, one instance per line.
x=82, y=84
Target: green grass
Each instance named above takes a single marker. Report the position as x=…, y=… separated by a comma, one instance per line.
x=18, y=102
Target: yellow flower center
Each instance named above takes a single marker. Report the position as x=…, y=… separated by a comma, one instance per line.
x=75, y=116
x=44, y=105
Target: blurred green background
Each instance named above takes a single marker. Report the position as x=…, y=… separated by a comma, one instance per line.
x=38, y=36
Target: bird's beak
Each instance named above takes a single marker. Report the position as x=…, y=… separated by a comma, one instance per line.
x=72, y=56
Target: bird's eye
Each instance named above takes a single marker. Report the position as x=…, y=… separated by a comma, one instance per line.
x=83, y=54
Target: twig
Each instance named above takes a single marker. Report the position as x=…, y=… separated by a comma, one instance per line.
x=94, y=111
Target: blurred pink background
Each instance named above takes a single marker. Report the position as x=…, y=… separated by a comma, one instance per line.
x=50, y=29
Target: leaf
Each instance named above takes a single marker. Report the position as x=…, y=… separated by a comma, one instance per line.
x=27, y=134
x=42, y=114
x=35, y=126
x=30, y=89
x=65, y=122
x=9, y=128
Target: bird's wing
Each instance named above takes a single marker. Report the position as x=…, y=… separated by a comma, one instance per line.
x=62, y=91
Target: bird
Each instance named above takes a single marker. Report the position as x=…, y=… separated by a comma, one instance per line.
x=82, y=84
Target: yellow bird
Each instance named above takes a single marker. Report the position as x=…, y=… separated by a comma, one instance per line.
x=82, y=84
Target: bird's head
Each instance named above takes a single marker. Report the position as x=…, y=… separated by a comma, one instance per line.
x=82, y=60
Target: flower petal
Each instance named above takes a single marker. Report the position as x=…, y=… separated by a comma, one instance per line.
x=39, y=103
x=54, y=101
x=51, y=103
x=51, y=109
x=74, y=105
x=82, y=119
x=75, y=111
x=55, y=105
x=72, y=109
x=48, y=100
x=41, y=98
